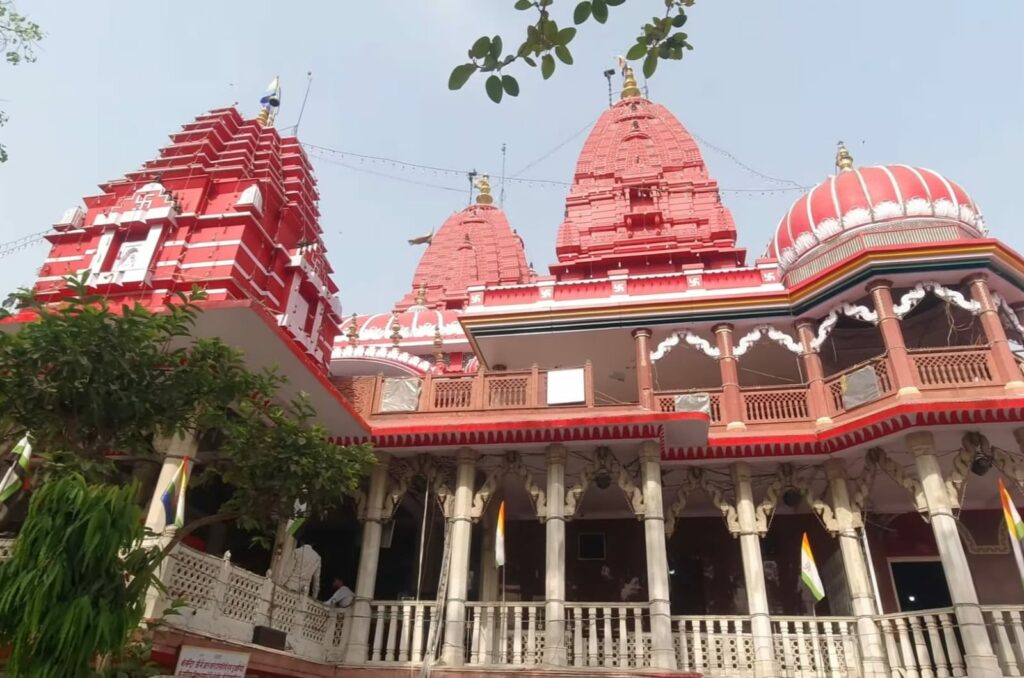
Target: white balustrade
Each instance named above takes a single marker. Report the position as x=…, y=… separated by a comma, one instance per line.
x=608, y=635
x=922, y=644
x=1006, y=629
x=399, y=630
x=504, y=633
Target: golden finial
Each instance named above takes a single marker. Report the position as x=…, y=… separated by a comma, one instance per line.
x=396, y=330
x=483, y=184
x=421, y=295
x=629, y=86
x=352, y=332
x=844, y=161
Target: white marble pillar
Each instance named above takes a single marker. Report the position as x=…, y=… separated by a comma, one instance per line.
x=765, y=665
x=981, y=660
x=862, y=600
x=554, y=571
x=174, y=449
x=369, y=554
x=489, y=584
x=452, y=652
x=663, y=654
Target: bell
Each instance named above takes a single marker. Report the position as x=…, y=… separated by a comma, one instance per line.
x=981, y=464
x=603, y=480
x=791, y=497
x=274, y=101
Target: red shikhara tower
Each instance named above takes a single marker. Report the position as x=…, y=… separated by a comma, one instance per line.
x=642, y=198
x=230, y=205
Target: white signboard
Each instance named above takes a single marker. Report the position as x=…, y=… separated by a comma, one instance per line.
x=204, y=662
x=565, y=387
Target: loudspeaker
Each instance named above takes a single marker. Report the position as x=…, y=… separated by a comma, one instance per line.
x=268, y=637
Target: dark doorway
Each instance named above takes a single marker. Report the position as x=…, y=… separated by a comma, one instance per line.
x=920, y=584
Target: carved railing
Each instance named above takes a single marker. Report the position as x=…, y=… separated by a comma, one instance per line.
x=775, y=404
x=815, y=646
x=714, y=645
x=1006, y=630
x=399, y=630
x=224, y=601
x=922, y=643
x=665, y=401
x=504, y=633
x=484, y=391
x=608, y=635
x=952, y=367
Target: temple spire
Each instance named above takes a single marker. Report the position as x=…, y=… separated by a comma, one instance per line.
x=844, y=161
x=483, y=184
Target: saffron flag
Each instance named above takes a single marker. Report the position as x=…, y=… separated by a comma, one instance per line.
x=499, y=538
x=173, y=497
x=1014, y=526
x=16, y=478
x=809, y=571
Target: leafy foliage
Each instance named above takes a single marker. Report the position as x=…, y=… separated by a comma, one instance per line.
x=75, y=585
x=545, y=40
x=18, y=38
x=96, y=386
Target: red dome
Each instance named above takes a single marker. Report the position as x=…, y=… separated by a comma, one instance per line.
x=861, y=197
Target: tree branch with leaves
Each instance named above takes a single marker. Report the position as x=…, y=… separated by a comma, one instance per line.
x=546, y=43
x=18, y=39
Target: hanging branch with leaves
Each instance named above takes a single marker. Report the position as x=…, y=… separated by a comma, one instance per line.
x=546, y=43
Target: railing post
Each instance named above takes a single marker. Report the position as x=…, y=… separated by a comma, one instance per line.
x=1007, y=368
x=956, y=660
x=427, y=393
x=478, y=394
x=817, y=396
x=981, y=660
x=644, y=370
x=892, y=335
x=533, y=387
x=588, y=383
x=375, y=395
x=732, y=401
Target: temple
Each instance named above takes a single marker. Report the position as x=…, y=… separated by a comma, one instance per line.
x=670, y=430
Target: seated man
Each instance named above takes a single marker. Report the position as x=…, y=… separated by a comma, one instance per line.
x=343, y=595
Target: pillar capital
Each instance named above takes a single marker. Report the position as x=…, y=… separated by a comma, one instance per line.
x=722, y=327
x=466, y=454
x=920, y=442
x=641, y=332
x=978, y=276
x=650, y=451
x=556, y=453
x=835, y=469
x=801, y=323
x=878, y=283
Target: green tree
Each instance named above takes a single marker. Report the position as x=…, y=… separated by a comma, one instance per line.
x=18, y=38
x=95, y=387
x=546, y=43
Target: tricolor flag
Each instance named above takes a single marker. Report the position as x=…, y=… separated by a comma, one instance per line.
x=499, y=538
x=173, y=497
x=16, y=478
x=1014, y=526
x=809, y=571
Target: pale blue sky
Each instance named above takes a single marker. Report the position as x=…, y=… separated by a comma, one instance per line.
x=930, y=82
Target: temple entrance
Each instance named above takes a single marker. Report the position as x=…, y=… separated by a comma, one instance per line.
x=920, y=584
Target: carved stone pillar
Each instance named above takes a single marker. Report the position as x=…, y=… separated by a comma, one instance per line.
x=1007, y=369
x=981, y=661
x=644, y=369
x=846, y=520
x=663, y=654
x=489, y=585
x=554, y=571
x=753, y=574
x=732, y=402
x=452, y=653
x=369, y=554
x=817, y=395
x=892, y=335
x=174, y=450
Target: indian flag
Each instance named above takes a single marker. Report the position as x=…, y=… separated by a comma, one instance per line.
x=499, y=538
x=16, y=478
x=809, y=570
x=173, y=497
x=1014, y=526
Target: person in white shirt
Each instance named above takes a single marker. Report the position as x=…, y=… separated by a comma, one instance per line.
x=343, y=595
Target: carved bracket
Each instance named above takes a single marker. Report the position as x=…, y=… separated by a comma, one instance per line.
x=511, y=465
x=758, y=333
x=878, y=457
x=604, y=461
x=714, y=493
x=675, y=510
x=785, y=478
x=913, y=297
x=828, y=324
x=694, y=340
